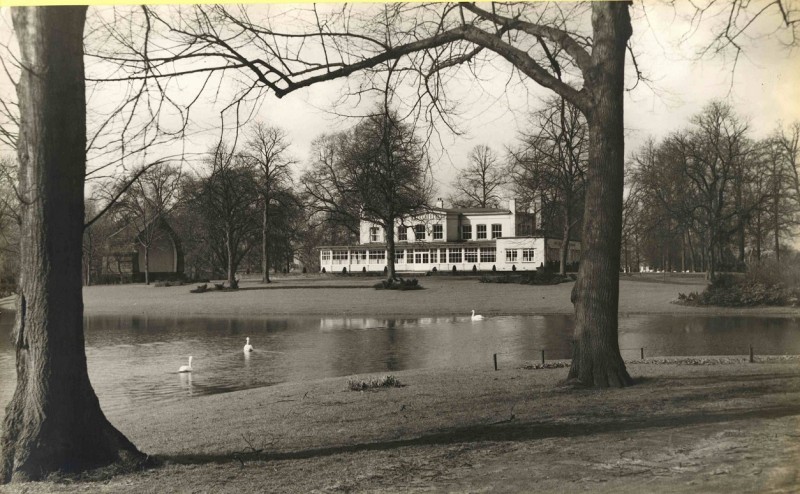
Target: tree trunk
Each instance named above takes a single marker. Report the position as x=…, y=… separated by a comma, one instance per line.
x=54, y=421
x=146, y=264
x=264, y=245
x=596, y=359
x=389, y=229
x=562, y=270
x=230, y=253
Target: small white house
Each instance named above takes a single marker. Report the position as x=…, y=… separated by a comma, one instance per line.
x=447, y=239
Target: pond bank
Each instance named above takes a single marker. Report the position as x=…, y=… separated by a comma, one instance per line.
x=687, y=428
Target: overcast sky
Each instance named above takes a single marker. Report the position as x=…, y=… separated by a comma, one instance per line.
x=765, y=89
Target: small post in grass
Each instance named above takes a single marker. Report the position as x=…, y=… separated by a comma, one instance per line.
x=495, y=361
x=542, y=356
x=751, y=354
x=642, y=353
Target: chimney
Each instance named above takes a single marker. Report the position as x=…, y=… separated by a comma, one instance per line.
x=440, y=203
x=512, y=205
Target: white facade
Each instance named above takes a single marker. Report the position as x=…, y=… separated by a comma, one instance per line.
x=468, y=239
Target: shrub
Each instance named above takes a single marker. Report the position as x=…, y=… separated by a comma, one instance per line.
x=389, y=381
x=398, y=284
x=765, y=283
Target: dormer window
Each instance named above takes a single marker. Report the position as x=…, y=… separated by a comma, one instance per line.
x=402, y=234
x=466, y=232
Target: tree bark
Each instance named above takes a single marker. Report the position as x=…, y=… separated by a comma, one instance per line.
x=389, y=229
x=54, y=421
x=565, y=234
x=596, y=359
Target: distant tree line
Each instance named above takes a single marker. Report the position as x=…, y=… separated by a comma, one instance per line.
x=712, y=197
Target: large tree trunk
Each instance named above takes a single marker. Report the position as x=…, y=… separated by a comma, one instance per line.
x=596, y=359
x=54, y=421
x=389, y=229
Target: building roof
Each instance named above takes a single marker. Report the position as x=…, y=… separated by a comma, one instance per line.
x=472, y=210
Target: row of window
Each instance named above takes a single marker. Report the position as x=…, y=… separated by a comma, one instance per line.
x=480, y=231
x=425, y=256
x=438, y=232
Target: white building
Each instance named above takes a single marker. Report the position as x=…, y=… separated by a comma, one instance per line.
x=460, y=239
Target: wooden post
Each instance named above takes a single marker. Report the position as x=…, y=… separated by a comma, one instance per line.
x=543, y=356
x=751, y=354
x=495, y=361
x=642, y=353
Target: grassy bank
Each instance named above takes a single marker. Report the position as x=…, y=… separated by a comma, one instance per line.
x=684, y=428
x=355, y=296
x=730, y=427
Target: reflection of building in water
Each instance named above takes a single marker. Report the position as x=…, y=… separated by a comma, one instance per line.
x=461, y=239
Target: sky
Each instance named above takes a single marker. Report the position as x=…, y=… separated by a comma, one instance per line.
x=765, y=89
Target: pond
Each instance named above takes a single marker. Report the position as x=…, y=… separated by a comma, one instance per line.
x=133, y=360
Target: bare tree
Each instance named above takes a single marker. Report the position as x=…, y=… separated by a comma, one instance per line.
x=145, y=205
x=549, y=168
x=228, y=202
x=53, y=421
x=480, y=183
x=377, y=172
x=267, y=151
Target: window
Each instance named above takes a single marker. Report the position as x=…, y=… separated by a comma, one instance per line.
x=358, y=256
x=374, y=234
x=326, y=255
x=489, y=255
x=410, y=259
x=497, y=230
x=377, y=255
x=527, y=255
x=402, y=234
x=419, y=232
x=340, y=257
x=399, y=256
x=421, y=256
x=511, y=255
x=442, y=255
x=471, y=255
x=480, y=232
x=455, y=255
x=438, y=232
x=466, y=232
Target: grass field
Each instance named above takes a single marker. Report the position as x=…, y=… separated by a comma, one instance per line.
x=729, y=427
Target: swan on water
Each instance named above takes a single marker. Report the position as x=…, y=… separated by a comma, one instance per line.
x=247, y=346
x=186, y=368
x=476, y=317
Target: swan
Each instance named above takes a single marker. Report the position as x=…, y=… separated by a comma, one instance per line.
x=247, y=346
x=186, y=368
x=476, y=317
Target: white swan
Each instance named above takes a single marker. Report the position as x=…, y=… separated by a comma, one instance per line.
x=186, y=368
x=476, y=317
x=247, y=346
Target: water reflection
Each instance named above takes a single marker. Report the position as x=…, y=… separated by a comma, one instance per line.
x=133, y=359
